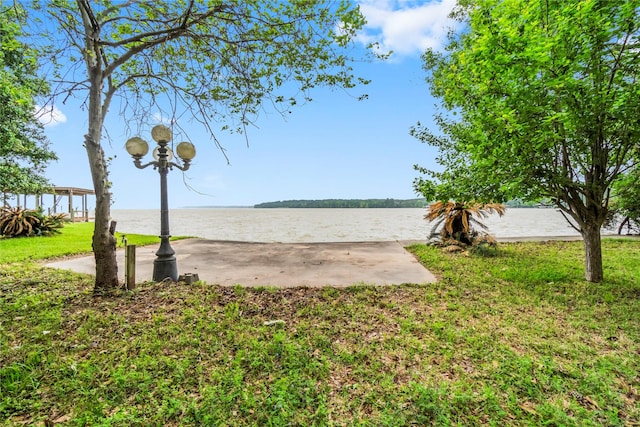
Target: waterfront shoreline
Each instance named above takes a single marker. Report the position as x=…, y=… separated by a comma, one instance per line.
x=285, y=225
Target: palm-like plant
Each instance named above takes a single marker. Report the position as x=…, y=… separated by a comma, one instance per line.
x=17, y=222
x=459, y=218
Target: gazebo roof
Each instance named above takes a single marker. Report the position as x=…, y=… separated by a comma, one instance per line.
x=76, y=191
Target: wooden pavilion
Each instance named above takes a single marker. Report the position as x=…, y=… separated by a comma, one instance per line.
x=58, y=193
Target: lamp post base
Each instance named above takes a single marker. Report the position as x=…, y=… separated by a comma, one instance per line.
x=165, y=268
x=165, y=265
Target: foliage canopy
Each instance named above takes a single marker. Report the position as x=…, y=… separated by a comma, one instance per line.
x=218, y=63
x=24, y=151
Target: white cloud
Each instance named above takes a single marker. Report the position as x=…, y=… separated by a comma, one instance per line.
x=407, y=27
x=159, y=117
x=50, y=115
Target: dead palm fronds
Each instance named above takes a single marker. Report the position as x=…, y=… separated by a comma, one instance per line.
x=459, y=218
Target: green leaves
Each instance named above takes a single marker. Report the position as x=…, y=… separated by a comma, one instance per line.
x=24, y=149
x=538, y=85
x=231, y=58
x=223, y=57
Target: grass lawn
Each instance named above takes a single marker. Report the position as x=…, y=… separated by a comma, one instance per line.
x=513, y=340
x=74, y=239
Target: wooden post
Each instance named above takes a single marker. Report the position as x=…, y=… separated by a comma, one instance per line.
x=71, y=213
x=130, y=266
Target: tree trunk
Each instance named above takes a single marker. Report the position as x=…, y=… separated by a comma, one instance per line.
x=104, y=242
x=625, y=222
x=592, y=253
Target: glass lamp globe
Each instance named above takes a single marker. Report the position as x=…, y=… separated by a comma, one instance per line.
x=161, y=133
x=186, y=151
x=137, y=147
x=156, y=154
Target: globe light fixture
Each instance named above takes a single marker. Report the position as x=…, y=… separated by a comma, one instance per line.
x=137, y=147
x=156, y=154
x=165, y=265
x=186, y=151
x=161, y=133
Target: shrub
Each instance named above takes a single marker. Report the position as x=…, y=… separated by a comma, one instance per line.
x=20, y=222
x=454, y=221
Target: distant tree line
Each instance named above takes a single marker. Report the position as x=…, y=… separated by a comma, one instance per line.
x=346, y=203
x=377, y=203
x=519, y=203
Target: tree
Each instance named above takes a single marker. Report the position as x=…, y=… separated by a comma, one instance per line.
x=215, y=61
x=24, y=151
x=540, y=100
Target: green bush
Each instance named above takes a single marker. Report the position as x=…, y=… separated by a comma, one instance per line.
x=20, y=222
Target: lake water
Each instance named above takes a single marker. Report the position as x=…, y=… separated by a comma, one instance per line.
x=328, y=225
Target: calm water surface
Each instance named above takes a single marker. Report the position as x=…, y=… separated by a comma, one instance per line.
x=327, y=225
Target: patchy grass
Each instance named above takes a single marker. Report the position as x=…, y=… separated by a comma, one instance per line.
x=516, y=339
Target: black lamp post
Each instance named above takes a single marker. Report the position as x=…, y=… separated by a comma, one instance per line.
x=165, y=265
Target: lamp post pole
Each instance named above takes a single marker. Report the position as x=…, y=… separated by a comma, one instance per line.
x=165, y=265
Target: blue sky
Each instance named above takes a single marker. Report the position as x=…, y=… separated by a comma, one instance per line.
x=333, y=147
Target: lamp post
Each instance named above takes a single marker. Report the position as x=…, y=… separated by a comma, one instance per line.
x=165, y=265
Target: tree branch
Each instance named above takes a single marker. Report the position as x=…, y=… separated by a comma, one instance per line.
x=160, y=37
